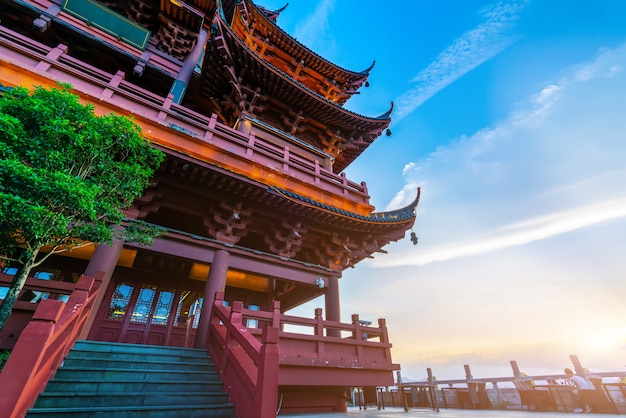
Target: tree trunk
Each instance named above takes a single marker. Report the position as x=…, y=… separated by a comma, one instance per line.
x=26, y=259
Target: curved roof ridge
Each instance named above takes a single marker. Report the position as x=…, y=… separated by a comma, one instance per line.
x=401, y=215
x=368, y=69
x=281, y=9
x=273, y=23
x=402, y=211
x=273, y=14
x=383, y=117
x=387, y=114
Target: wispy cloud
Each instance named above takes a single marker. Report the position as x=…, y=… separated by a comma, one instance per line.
x=521, y=233
x=550, y=168
x=471, y=49
x=311, y=31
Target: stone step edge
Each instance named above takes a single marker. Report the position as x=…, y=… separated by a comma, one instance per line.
x=199, y=361
x=111, y=345
x=129, y=408
x=137, y=352
x=91, y=394
x=67, y=380
x=126, y=369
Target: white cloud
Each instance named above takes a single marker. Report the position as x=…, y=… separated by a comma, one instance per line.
x=467, y=52
x=553, y=167
x=311, y=32
x=518, y=234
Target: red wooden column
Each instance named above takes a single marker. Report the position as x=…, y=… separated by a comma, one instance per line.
x=102, y=264
x=333, y=310
x=216, y=282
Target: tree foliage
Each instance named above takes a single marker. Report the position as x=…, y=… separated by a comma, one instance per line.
x=66, y=174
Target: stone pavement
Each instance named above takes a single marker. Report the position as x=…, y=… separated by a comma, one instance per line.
x=443, y=413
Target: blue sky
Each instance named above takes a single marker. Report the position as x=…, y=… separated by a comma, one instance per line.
x=510, y=117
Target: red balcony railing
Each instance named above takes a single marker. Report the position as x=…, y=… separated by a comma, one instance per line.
x=35, y=62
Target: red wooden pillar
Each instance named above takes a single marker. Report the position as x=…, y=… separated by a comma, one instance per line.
x=101, y=265
x=333, y=311
x=216, y=282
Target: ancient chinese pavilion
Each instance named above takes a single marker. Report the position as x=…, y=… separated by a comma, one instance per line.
x=258, y=215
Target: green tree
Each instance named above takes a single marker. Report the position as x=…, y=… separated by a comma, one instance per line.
x=66, y=175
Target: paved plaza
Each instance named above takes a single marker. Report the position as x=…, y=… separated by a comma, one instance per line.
x=443, y=413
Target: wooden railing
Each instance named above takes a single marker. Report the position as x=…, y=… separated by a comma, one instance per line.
x=248, y=367
x=249, y=347
x=55, y=63
x=34, y=291
x=43, y=345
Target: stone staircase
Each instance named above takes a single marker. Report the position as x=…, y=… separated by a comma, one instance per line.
x=100, y=379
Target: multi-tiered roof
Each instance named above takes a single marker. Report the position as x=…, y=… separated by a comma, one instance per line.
x=280, y=169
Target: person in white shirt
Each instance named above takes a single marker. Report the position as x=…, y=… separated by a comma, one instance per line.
x=581, y=384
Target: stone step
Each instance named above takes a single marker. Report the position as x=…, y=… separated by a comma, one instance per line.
x=89, y=386
x=125, y=380
x=78, y=399
x=94, y=374
x=138, y=349
x=87, y=361
x=146, y=411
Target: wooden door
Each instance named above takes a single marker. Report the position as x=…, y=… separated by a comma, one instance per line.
x=150, y=315
x=146, y=313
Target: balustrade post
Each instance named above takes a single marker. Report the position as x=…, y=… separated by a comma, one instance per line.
x=167, y=104
x=236, y=317
x=276, y=316
x=364, y=186
x=498, y=395
x=317, y=172
x=286, y=158
x=319, y=332
x=319, y=322
x=234, y=321
x=516, y=372
x=52, y=55
x=266, y=400
x=26, y=359
x=384, y=334
x=219, y=297
x=251, y=144
x=213, y=121
x=578, y=366
x=356, y=334
x=76, y=303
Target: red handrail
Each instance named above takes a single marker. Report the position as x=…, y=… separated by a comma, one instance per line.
x=248, y=367
x=249, y=359
x=42, y=346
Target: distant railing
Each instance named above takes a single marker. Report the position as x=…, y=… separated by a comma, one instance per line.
x=538, y=392
x=49, y=62
x=43, y=345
